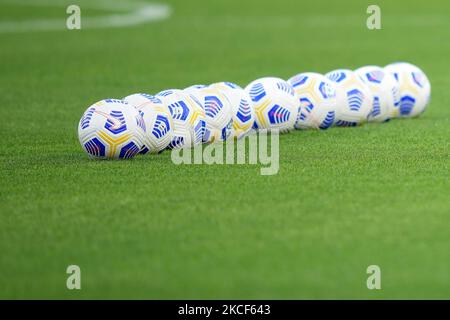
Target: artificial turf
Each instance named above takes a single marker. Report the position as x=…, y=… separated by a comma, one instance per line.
x=344, y=198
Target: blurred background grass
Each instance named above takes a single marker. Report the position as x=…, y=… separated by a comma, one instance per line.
x=343, y=199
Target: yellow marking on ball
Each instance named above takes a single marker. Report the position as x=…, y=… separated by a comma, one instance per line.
x=113, y=143
x=309, y=89
x=259, y=113
x=407, y=86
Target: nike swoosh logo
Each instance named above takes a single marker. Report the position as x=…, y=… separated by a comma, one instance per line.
x=116, y=123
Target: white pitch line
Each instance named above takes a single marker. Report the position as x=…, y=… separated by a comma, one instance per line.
x=129, y=14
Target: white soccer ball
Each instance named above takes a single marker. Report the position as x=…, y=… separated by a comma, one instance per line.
x=217, y=109
x=275, y=104
x=318, y=100
x=415, y=88
x=196, y=87
x=157, y=119
x=354, y=99
x=188, y=118
x=242, y=113
x=385, y=91
x=111, y=129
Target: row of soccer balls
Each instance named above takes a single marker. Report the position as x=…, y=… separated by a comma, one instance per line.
x=143, y=123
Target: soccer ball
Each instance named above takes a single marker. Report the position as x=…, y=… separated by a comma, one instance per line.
x=242, y=113
x=111, y=129
x=196, y=87
x=318, y=101
x=217, y=112
x=354, y=99
x=415, y=89
x=275, y=104
x=188, y=118
x=157, y=119
x=385, y=91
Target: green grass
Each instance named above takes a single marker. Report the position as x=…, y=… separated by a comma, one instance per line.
x=343, y=199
